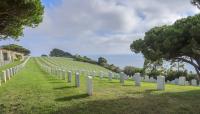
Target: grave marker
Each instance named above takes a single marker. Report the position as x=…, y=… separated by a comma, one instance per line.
x=194, y=82
x=77, y=80
x=137, y=79
x=160, y=83
x=89, y=86
x=110, y=76
x=122, y=78
x=181, y=81
x=69, y=76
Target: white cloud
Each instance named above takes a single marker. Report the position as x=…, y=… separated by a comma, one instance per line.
x=102, y=26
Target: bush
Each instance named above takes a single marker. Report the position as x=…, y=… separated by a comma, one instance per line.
x=171, y=75
x=130, y=70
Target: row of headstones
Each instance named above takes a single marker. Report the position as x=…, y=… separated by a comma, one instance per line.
x=122, y=77
x=2, y=63
x=84, y=71
x=178, y=81
x=7, y=74
x=61, y=74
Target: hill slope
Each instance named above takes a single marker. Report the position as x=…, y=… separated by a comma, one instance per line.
x=33, y=91
x=70, y=64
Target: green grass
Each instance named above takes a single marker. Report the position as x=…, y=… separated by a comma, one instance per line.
x=70, y=64
x=33, y=91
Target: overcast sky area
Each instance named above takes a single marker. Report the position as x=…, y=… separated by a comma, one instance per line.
x=90, y=27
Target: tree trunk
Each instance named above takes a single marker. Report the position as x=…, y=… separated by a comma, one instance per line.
x=198, y=74
x=195, y=65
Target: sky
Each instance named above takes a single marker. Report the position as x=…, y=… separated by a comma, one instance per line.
x=99, y=27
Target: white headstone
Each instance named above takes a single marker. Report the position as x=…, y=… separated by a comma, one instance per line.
x=137, y=79
x=11, y=73
x=146, y=78
x=122, y=76
x=89, y=86
x=4, y=76
x=168, y=81
x=69, y=76
x=94, y=73
x=187, y=83
x=77, y=80
x=8, y=74
x=181, y=81
x=173, y=82
x=151, y=79
x=194, y=82
x=110, y=76
x=160, y=83
x=176, y=81
x=101, y=75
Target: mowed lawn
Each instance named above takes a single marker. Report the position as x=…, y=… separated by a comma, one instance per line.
x=32, y=91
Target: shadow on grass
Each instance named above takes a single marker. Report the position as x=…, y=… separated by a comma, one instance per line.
x=112, y=82
x=68, y=98
x=145, y=103
x=65, y=87
x=128, y=85
x=56, y=82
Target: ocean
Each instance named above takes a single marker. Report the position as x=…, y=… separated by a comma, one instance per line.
x=122, y=60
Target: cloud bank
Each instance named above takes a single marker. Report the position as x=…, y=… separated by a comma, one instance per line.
x=100, y=26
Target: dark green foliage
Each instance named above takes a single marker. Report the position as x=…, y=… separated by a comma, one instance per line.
x=153, y=68
x=113, y=68
x=59, y=53
x=44, y=55
x=102, y=61
x=171, y=75
x=130, y=70
x=17, y=48
x=84, y=59
x=16, y=14
x=179, y=42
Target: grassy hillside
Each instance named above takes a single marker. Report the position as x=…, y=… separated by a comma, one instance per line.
x=33, y=91
x=70, y=64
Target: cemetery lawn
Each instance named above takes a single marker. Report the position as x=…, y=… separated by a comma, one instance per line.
x=32, y=91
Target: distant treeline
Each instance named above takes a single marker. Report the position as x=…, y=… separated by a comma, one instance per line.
x=101, y=61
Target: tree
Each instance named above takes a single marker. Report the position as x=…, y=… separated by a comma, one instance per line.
x=102, y=61
x=16, y=14
x=17, y=48
x=153, y=68
x=59, y=53
x=44, y=55
x=179, y=65
x=130, y=70
x=196, y=3
x=178, y=42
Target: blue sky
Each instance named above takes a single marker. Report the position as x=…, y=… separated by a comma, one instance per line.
x=99, y=27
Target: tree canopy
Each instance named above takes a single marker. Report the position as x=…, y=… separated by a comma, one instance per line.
x=16, y=14
x=130, y=70
x=59, y=53
x=180, y=41
x=17, y=48
x=102, y=61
